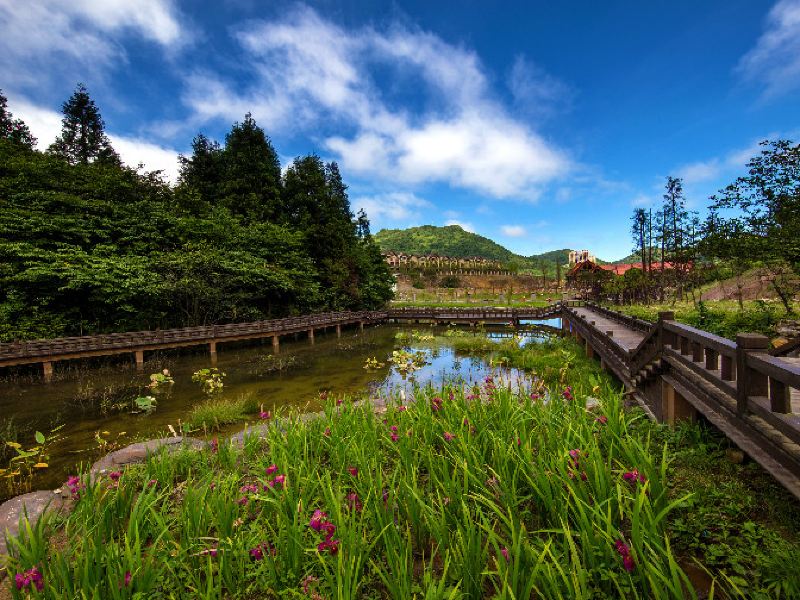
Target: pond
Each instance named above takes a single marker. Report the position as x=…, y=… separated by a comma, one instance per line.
x=331, y=364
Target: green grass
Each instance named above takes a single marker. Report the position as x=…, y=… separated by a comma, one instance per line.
x=722, y=317
x=216, y=412
x=427, y=500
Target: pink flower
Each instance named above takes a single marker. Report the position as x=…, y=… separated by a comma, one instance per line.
x=115, y=475
x=449, y=436
x=30, y=577
x=330, y=545
x=242, y=501
x=535, y=396
x=307, y=583
x=395, y=437
x=265, y=416
x=393, y=428
x=126, y=581
x=504, y=552
x=602, y=419
x=625, y=552
x=278, y=480
x=327, y=432
x=339, y=401
x=634, y=476
x=152, y=482
x=214, y=445
x=402, y=408
x=354, y=502
x=353, y=471
x=567, y=393
x=317, y=520
x=436, y=404
x=212, y=552
x=273, y=468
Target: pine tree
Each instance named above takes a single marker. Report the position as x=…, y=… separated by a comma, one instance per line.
x=83, y=138
x=203, y=172
x=11, y=129
x=251, y=185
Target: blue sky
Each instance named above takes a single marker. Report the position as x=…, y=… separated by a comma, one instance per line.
x=539, y=126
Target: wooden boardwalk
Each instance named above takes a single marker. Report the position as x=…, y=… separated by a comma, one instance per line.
x=677, y=372
x=674, y=371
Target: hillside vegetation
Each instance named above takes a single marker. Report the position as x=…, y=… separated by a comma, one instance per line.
x=452, y=240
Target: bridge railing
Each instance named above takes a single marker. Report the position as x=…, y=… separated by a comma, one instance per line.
x=132, y=340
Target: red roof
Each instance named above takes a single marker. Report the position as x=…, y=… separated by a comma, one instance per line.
x=623, y=268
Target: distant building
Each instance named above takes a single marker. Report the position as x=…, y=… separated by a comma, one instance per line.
x=399, y=260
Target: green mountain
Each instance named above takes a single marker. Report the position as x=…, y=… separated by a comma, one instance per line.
x=452, y=240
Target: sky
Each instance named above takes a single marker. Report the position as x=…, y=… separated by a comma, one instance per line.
x=540, y=125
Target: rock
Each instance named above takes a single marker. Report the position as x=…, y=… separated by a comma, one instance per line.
x=137, y=453
x=592, y=403
x=35, y=504
x=788, y=328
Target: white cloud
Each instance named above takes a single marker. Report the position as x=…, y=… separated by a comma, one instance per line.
x=535, y=91
x=310, y=73
x=716, y=167
x=465, y=226
x=775, y=59
x=45, y=125
x=76, y=35
x=514, y=230
x=394, y=206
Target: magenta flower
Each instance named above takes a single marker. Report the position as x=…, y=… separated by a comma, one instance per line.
x=30, y=577
x=472, y=397
x=602, y=419
x=307, y=582
x=449, y=437
x=278, y=480
x=504, y=552
x=152, y=482
x=354, y=502
x=339, y=401
x=272, y=469
x=625, y=552
x=535, y=396
x=75, y=486
x=353, y=471
x=214, y=445
x=436, y=404
x=331, y=546
x=126, y=581
x=212, y=552
x=402, y=408
x=242, y=501
x=115, y=475
x=393, y=428
x=265, y=416
x=567, y=393
x=317, y=520
x=634, y=477
x=329, y=529
x=395, y=437
x=327, y=432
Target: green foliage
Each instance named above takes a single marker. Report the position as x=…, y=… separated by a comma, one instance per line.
x=83, y=138
x=723, y=318
x=212, y=414
x=94, y=246
x=14, y=130
x=210, y=379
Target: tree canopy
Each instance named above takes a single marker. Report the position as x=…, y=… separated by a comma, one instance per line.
x=88, y=245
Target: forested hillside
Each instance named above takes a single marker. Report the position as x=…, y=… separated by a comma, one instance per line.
x=452, y=240
x=88, y=245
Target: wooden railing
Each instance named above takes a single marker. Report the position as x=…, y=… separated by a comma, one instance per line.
x=739, y=385
x=69, y=346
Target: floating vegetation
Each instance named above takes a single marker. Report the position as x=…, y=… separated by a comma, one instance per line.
x=372, y=364
x=21, y=467
x=271, y=363
x=144, y=404
x=408, y=362
x=160, y=379
x=414, y=337
x=210, y=379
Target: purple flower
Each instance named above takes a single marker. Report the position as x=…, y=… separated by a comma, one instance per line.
x=402, y=408
x=535, y=396
x=126, y=581
x=504, y=552
x=307, y=583
x=272, y=469
x=602, y=419
x=449, y=437
x=436, y=404
x=393, y=428
x=634, y=476
x=354, y=502
x=317, y=520
x=242, y=501
x=395, y=437
x=258, y=552
x=214, y=445
x=625, y=552
x=31, y=576
x=567, y=393
x=265, y=416
x=279, y=480
x=353, y=471
x=115, y=475
x=152, y=483
x=330, y=545
x=327, y=432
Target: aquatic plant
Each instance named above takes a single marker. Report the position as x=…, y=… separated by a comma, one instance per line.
x=372, y=364
x=210, y=379
x=160, y=379
x=144, y=404
x=21, y=467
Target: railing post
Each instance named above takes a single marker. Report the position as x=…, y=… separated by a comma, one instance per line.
x=748, y=381
x=780, y=396
x=664, y=337
x=712, y=358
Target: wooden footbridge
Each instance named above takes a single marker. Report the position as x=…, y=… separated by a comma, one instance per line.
x=674, y=371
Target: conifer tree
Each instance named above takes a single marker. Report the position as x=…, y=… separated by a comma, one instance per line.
x=83, y=138
x=14, y=130
x=251, y=185
x=203, y=172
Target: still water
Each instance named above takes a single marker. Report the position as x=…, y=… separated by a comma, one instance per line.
x=330, y=364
